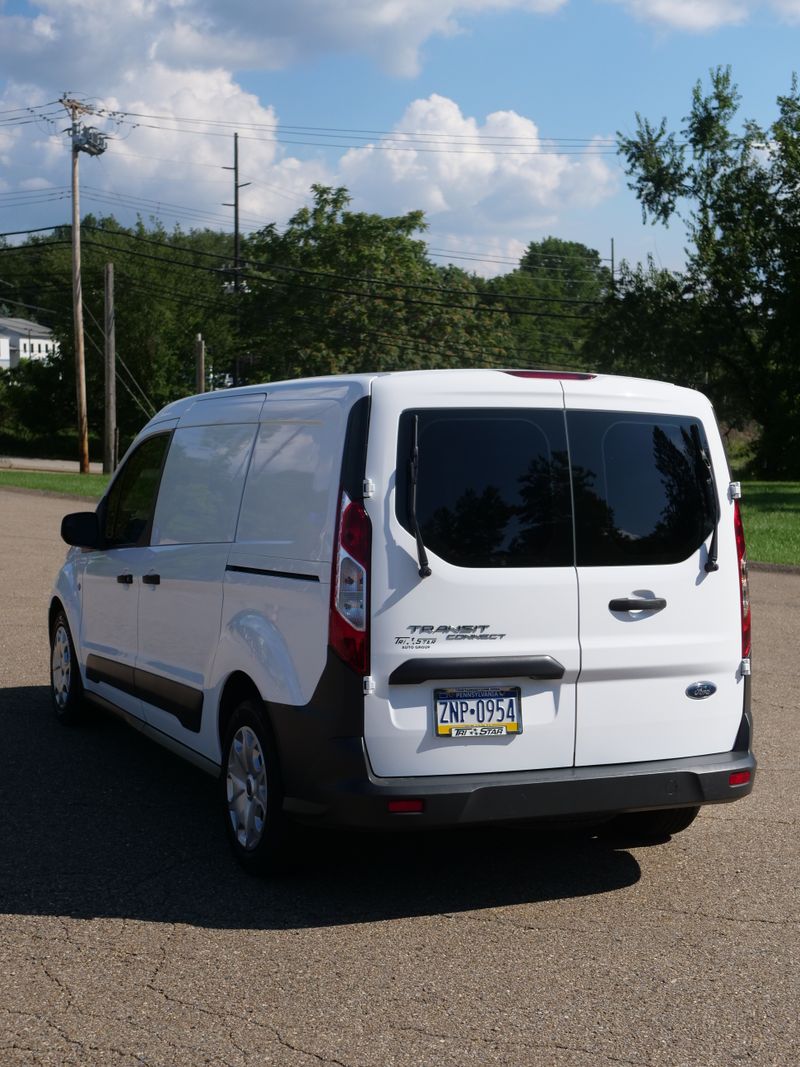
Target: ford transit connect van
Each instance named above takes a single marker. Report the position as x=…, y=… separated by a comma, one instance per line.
x=425, y=598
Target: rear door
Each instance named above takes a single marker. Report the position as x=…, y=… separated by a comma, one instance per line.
x=489, y=638
x=653, y=621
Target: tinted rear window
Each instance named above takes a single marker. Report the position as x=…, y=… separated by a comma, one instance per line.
x=641, y=487
x=493, y=486
x=496, y=487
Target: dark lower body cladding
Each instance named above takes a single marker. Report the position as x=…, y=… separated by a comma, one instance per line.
x=328, y=780
x=550, y=794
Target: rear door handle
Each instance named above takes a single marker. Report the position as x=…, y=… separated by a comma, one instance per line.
x=151, y=579
x=629, y=604
x=125, y=579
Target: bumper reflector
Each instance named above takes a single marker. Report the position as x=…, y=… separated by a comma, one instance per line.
x=405, y=807
x=739, y=778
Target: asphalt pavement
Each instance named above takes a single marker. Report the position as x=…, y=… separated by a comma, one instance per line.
x=129, y=937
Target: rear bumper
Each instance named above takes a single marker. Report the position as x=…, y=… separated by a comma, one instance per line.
x=331, y=782
x=549, y=794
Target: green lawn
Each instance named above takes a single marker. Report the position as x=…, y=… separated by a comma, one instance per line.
x=74, y=484
x=771, y=516
x=771, y=510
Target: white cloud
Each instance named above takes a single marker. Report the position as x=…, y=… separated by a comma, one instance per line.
x=496, y=180
x=149, y=170
x=789, y=9
x=694, y=16
x=240, y=34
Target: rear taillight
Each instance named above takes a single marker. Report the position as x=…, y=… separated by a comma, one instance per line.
x=349, y=613
x=744, y=581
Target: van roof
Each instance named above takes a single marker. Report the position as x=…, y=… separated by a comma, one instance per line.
x=441, y=381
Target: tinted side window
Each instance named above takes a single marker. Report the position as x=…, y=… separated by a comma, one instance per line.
x=128, y=508
x=201, y=489
x=493, y=486
x=641, y=487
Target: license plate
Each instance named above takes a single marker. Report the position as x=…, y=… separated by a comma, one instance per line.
x=485, y=712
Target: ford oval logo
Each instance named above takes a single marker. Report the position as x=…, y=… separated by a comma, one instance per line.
x=701, y=690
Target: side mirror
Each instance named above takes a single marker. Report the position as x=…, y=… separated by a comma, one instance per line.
x=82, y=529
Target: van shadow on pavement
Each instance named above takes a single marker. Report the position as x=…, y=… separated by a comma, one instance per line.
x=100, y=822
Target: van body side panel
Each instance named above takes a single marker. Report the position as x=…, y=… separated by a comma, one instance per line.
x=664, y=683
x=463, y=611
x=277, y=581
x=275, y=625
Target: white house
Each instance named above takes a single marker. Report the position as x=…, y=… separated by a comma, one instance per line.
x=23, y=339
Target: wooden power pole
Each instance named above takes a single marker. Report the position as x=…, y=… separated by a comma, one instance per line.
x=110, y=429
x=83, y=140
x=237, y=246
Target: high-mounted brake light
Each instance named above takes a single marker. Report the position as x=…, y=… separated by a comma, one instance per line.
x=349, y=612
x=557, y=375
x=744, y=581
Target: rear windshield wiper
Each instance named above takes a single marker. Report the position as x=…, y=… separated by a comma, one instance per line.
x=711, y=489
x=413, y=473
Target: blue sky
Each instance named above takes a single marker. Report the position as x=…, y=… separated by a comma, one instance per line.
x=541, y=68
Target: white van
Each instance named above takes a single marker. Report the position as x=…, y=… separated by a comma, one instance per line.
x=424, y=598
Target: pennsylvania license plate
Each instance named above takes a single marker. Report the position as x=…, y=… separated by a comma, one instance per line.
x=485, y=712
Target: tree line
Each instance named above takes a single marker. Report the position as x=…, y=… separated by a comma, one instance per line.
x=339, y=291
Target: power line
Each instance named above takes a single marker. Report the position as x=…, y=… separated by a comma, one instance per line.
x=338, y=131
x=386, y=282
x=247, y=274
x=29, y=107
x=122, y=361
x=478, y=143
x=37, y=229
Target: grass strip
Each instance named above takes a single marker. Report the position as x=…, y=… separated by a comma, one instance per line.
x=771, y=516
x=770, y=510
x=92, y=485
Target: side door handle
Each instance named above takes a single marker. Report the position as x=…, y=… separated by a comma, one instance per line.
x=125, y=579
x=630, y=604
x=151, y=579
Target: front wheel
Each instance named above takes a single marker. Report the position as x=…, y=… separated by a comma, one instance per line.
x=252, y=793
x=66, y=687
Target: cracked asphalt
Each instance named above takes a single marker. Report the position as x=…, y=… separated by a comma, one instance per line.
x=129, y=937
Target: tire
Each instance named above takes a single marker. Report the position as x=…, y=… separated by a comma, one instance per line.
x=650, y=825
x=66, y=687
x=252, y=793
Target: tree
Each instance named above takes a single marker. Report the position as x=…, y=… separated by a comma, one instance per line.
x=341, y=291
x=169, y=287
x=736, y=191
x=551, y=299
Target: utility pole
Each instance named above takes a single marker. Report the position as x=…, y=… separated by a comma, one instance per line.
x=88, y=140
x=237, y=266
x=110, y=435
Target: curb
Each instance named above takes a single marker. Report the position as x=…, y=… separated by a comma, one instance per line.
x=51, y=493
x=775, y=568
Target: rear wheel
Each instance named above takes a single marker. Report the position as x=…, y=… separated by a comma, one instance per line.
x=252, y=792
x=650, y=825
x=66, y=687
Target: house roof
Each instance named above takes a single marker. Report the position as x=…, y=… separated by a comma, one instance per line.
x=24, y=327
